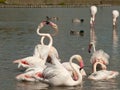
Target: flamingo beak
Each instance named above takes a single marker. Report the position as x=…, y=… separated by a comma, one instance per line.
x=81, y=64
x=89, y=48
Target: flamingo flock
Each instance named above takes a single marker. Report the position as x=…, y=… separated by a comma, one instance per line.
x=45, y=64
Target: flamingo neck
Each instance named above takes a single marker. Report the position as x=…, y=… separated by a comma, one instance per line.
x=42, y=40
x=45, y=35
x=77, y=75
x=95, y=66
x=94, y=48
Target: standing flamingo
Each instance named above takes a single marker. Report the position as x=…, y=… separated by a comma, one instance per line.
x=93, y=10
x=115, y=14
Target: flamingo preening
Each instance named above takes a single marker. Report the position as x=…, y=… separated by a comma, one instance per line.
x=100, y=60
x=57, y=75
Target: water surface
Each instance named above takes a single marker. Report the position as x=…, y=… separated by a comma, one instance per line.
x=18, y=38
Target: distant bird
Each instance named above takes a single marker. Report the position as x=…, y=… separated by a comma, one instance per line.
x=115, y=14
x=81, y=32
x=93, y=11
x=77, y=20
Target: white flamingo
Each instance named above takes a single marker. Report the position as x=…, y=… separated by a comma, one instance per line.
x=57, y=75
x=41, y=50
x=36, y=63
x=93, y=10
x=115, y=14
x=29, y=73
x=35, y=73
x=102, y=74
x=39, y=57
x=99, y=60
x=99, y=56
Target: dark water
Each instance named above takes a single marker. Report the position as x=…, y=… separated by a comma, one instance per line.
x=18, y=38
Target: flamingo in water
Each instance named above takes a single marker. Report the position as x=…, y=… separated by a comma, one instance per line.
x=93, y=11
x=37, y=69
x=41, y=51
x=57, y=75
x=115, y=14
x=35, y=73
x=99, y=61
x=36, y=63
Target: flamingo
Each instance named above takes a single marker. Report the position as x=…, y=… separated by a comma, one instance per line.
x=41, y=51
x=99, y=56
x=35, y=72
x=93, y=10
x=57, y=75
x=102, y=74
x=29, y=73
x=115, y=14
x=99, y=60
x=36, y=63
x=39, y=57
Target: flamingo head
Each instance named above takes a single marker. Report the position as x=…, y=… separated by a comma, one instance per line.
x=89, y=48
x=81, y=63
x=115, y=14
x=55, y=27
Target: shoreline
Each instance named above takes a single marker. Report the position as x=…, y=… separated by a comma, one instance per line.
x=53, y=6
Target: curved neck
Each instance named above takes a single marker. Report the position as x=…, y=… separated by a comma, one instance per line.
x=95, y=66
x=45, y=35
x=42, y=40
x=75, y=71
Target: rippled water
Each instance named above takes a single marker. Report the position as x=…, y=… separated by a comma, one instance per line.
x=18, y=38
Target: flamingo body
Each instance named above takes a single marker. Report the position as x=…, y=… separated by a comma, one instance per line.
x=57, y=75
x=103, y=75
x=100, y=55
x=30, y=74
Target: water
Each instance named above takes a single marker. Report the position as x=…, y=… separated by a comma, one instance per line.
x=18, y=38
